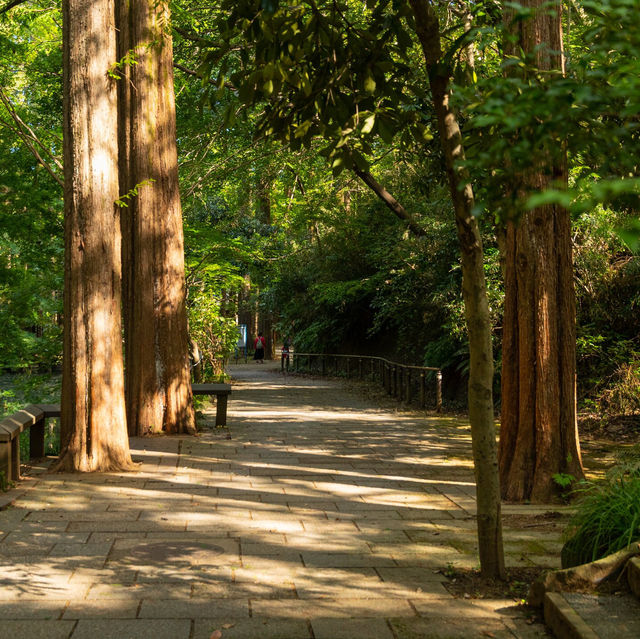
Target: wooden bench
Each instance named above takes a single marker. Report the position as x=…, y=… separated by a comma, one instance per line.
x=32, y=417
x=222, y=392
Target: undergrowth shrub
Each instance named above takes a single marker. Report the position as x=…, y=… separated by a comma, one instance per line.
x=608, y=514
x=623, y=397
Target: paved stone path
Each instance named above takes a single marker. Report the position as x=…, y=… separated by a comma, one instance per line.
x=312, y=516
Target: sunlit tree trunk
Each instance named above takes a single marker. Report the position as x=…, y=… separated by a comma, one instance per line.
x=474, y=292
x=158, y=387
x=93, y=420
x=538, y=435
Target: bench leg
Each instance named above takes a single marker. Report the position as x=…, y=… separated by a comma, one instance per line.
x=5, y=465
x=221, y=410
x=36, y=440
x=15, y=458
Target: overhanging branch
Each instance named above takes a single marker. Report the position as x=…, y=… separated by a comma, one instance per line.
x=393, y=204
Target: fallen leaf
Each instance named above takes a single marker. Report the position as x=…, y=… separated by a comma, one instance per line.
x=216, y=634
x=226, y=626
x=486, y=633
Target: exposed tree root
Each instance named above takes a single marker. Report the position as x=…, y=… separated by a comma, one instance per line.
x=585, y=576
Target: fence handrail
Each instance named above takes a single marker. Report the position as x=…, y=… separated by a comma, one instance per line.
x=395, y=377
x=374, y=357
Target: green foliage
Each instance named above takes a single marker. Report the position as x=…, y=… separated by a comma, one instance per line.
x=608, y=300
x=8, y=403
x=339, y=72
x=123, y=200
x=590, y=111
x=623, y=398
x=564, y=480
x=607, y=517
x=31, y=254
x=215, y=334
x=128, y=59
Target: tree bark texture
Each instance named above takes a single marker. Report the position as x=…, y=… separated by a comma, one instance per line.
x=538, y=436
x=158, y=386
x=93, y=419
x=474, y=293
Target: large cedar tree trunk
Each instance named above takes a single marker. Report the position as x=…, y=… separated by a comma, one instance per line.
x=474, y=292
x=93, y=420
x=538, y=436
x=158, y=385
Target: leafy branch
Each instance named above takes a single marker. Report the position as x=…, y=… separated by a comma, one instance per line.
x=121, y=201
x=115, y=70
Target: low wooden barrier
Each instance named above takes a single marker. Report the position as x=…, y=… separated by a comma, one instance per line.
x=32, y=417
x=401, y=381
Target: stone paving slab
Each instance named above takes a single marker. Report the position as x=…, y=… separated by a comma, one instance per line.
x=133, y=629
x=35, y=629
x=312, y=516
x=254, y=628
x=351, y=629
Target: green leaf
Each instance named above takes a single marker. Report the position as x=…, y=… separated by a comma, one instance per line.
x=386, y=133
x=367, y=127
x=631, y=235
x=369, y=84
x=548, y=197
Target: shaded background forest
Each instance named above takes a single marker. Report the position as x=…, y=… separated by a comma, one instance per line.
x=281, y=223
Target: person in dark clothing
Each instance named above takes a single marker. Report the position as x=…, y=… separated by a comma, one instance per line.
x=259, y=346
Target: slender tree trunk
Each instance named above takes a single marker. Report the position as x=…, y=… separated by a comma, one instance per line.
x=538, y=436
x=158, y=387
x=93, y=420
x=474, y=292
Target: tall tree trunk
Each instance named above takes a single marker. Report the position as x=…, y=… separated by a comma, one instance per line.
x=474, y=292
x=158, y=387
x=538, y=436
x=93, y=420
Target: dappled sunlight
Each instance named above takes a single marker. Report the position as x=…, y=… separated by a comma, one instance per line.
x=287, y=513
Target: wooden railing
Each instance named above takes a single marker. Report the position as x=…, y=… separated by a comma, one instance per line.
x=32, y=417
x=401, y=381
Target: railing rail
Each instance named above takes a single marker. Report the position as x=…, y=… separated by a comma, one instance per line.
x=399, y=380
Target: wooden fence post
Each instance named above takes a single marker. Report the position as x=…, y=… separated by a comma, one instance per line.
x=423, y=393
x=439, y=391
x=407, y=386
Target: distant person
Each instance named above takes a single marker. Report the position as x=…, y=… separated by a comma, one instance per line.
x=286, y=348
x=259, y=346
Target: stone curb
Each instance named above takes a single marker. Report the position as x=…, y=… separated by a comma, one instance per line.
x=563, y=620
x=633, y=576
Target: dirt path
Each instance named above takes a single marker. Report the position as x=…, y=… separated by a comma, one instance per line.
x=313, y=516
